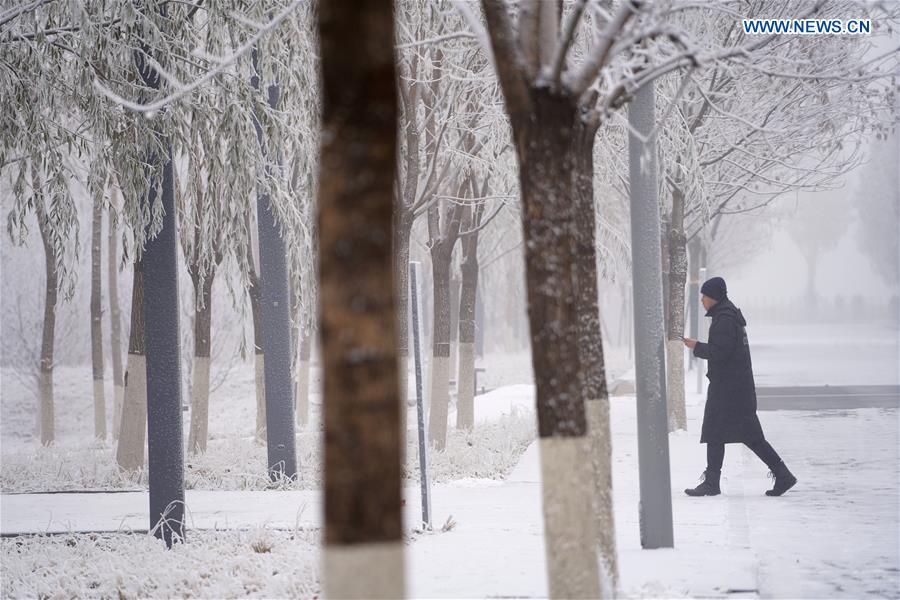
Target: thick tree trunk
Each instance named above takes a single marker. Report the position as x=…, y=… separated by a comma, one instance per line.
x=363, y=518
x=164, y=421
x=51, y=293
x=115, y=316
x=440, y=351
x=465, y=381
x=97, y=318
x=547, y=171
x=133, y=428
x=199, y=429
x=677, y=262
x=590, y=346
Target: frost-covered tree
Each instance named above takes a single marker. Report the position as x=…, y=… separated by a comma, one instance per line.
x=449, y=113
x=421, y=167
x=202, y=278
x=474, y=221
x=81, y=57
x=58, y=227
x=785, y=119
x=36, y=130
x=740, y=134
x=549, y=98
x=97, y=185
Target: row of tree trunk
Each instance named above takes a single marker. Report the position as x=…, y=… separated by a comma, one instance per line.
x=152, y=403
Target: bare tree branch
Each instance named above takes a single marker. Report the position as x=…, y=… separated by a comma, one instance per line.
x=565, y=41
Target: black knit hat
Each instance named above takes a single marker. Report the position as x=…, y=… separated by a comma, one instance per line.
x=715, y=288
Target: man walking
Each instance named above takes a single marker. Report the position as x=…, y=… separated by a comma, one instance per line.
x=730, y=413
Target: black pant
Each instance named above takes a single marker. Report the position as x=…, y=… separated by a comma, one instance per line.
x=715, y=454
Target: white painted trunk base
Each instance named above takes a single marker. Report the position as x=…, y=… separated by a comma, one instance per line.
x=133, y=433
x=302, y=394
x=440, y=401
x=99, y=410
x=260, y=398
x=198, y=434
x=675, y=385
x=569, y=539
x=118, y=399
x=604, y=518
x=465, y=387
x=365, y=571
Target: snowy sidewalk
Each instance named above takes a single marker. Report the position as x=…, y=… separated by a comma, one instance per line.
x=836, y=534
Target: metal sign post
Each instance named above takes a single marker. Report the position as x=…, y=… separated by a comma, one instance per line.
x=420, y=407
x=649, y=332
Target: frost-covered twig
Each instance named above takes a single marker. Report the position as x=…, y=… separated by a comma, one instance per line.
x=222, y=63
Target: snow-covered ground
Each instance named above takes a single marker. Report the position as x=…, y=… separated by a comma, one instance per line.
x=216, y=564
x=232, y=460
x=834, y=535
x=837, y=534
x=816, y=354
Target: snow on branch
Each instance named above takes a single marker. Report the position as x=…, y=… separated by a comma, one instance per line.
x=221, y=64
x=565, y=41
x=591, y=67
x=15, y=12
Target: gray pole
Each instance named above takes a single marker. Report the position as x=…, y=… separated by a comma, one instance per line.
x=276, y=321
x=162, y=344
x=420, y=408
x=165, y=448
x=653, y=437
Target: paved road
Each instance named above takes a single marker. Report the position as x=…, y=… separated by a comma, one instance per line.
x=837, y=397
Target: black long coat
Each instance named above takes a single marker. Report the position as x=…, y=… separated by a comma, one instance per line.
x=730, y=414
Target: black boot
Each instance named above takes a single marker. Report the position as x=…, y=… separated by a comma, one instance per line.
x=784, y=480
x=709, y=487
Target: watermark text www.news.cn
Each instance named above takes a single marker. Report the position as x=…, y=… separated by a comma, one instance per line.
x=807, y=26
